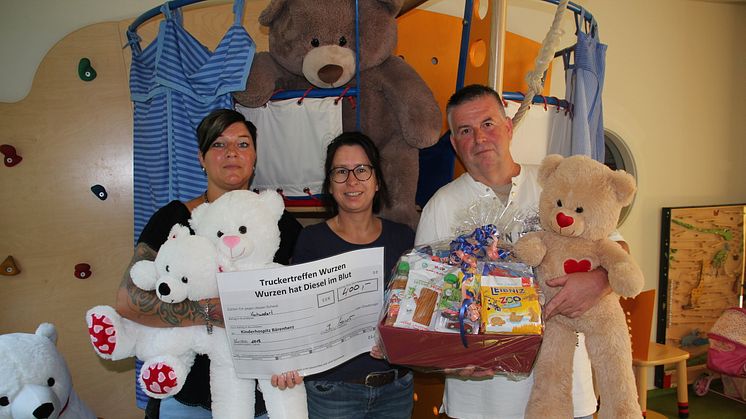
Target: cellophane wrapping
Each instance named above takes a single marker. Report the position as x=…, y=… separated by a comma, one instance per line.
x=466, y=302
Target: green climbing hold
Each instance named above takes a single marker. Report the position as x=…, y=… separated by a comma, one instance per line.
x=85, y=70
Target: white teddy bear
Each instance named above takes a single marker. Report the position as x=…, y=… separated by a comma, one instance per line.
x=34, y=379
x=185, y=268
x=243, y=227
x=238, y=226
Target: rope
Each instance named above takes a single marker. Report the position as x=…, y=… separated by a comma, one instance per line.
x=546, y=55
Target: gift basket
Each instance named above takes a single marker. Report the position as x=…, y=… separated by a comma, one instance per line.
x=465, y=302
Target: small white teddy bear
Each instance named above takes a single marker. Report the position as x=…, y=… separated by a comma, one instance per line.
x=34, y=379
x=185, y=268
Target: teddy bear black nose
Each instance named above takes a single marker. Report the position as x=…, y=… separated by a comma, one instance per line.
x=164, y=289
x=330, y=73
x=44, y=411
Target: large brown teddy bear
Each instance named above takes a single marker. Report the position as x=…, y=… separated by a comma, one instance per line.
x=312, y=42
x=579, y=208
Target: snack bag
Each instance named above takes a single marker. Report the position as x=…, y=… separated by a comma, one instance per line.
x=422, y=292
x=450, y=299
x=510, y=304
x=449, y=307
x=395, y=291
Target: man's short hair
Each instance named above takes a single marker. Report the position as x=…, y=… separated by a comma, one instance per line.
x=472, y=92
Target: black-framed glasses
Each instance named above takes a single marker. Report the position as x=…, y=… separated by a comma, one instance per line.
x=361, y=172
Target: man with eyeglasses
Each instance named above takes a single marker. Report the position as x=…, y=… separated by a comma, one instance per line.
x=481, y=134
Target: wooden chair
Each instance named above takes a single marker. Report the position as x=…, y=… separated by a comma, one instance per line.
x=645, y=354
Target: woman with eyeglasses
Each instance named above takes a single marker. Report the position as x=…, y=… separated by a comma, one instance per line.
x=364, y=386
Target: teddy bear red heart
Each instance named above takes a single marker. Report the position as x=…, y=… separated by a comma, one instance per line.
x=564, y=220
x=572, y=266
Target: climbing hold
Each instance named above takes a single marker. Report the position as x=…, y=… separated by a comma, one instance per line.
x=11, y=156
x=85, y=70
x=83, y=270
x=9, y=267
x=100, y=192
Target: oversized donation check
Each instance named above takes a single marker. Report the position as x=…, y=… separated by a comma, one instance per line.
x=309, y=317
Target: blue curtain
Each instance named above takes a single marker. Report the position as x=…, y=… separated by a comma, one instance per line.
x=584, y=79
x=174, y=83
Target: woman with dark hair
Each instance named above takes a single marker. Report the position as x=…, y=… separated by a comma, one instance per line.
x=227, y=153
x=364, y=386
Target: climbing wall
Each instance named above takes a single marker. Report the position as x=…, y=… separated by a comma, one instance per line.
x=702, y=267
x=72, y=135
x=702, y=274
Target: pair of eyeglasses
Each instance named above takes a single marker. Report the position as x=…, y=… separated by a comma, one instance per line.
x=362, y=173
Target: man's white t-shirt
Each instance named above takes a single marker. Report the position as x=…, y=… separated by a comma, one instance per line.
x=499, y=396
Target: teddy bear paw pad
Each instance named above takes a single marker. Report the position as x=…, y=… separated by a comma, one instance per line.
x=103, y=334
x=160, y=379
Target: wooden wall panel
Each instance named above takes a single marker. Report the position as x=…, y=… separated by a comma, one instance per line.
x=71, y=134
x=702, y=274
x=430, y=43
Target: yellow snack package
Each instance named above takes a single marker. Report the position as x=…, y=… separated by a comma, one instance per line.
x=510, y=305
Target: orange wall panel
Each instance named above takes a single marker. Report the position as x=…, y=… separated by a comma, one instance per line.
x=430, y=42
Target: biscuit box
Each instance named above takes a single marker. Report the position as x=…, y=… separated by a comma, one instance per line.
x=510, y=305
x=508, y=354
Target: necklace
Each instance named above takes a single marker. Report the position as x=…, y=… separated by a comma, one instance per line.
x=207, y=201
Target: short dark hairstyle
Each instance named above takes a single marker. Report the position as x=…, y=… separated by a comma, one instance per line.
x=215, y=123
x=381, y=198
x=472, y=92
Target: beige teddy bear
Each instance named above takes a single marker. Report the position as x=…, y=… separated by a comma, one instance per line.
x=579, y=208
